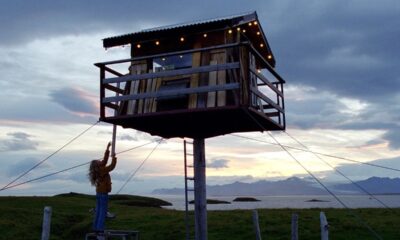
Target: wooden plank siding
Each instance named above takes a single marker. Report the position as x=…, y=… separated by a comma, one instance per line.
x=171, y=73
x=218, y=79
x=169, y=93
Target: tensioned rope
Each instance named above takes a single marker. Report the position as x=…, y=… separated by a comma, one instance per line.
x=341, y=173
x=321, y=154
x=329, y=191
x=137, y=169
x=67, y=169
x=372, y=231
x=45, y=159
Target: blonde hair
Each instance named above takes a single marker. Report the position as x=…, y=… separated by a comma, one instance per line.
x=94, y=172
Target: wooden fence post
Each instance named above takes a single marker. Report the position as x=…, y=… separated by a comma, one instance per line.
x=256, y=225
x=295, y=229
x=46, y=223
x=324, y=227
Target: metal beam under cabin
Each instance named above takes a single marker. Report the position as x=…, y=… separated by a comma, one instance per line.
x=200, y=200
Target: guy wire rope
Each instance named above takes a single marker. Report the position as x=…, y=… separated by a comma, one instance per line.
x=341, y=173
x=67, y=169
x=372, y=231
x=45, y=159
x=318, y=153
x=141, y=164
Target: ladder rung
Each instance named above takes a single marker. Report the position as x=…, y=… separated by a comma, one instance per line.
x=189, y=166
x=190, y=189
x=189, y=154
x=189, y=142
x=190, y=178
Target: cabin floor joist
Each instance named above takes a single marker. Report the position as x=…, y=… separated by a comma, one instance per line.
x=191, y=123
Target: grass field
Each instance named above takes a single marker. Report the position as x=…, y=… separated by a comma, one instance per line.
x=21, y=218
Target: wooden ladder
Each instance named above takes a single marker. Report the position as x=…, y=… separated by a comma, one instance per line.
x=189, y=188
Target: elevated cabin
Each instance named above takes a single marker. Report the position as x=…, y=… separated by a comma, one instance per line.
x=197, y=80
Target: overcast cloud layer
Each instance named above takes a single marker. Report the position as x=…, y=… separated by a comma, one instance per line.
x=340, y=60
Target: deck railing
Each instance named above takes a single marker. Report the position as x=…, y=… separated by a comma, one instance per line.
x=243, y=85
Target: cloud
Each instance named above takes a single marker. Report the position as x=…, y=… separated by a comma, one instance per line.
x=75, y=100
x=127, y=137
x=49, y=19
x=18, y=141
x=218, y=163
x=21, y=166
x=393, y=136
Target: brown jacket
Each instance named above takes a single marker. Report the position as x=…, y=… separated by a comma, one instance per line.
x=103, y=184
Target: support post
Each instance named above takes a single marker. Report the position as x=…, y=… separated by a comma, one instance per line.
x=295, y=228
x=324, y=227
x=200, y=201
x=114, y=135
x=256, y=225
x=46, y=223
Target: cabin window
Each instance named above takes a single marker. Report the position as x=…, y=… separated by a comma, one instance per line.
x=172, y=62
x=177, y=101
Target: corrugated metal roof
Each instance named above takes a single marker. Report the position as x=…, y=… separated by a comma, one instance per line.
x=197, y=22
x=248, y=16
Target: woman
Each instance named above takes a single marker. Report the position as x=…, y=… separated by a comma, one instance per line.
x=99, y=176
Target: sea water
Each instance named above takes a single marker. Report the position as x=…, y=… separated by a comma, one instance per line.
x=323, y=201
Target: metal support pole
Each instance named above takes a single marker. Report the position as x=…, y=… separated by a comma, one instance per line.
x=200, y=200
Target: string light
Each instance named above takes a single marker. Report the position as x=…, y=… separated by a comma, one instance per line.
x=269, y=56
x=138, y=45
x=255, y=22
x=238, y=29
x=250, y=24
x=244, y=30
x=258, y=33
x=163, y=59
x=230, y=31
x=157, y=43
x=182, y=39
x=180, y=56
x=261, y=45
x=205, y=35
x=259, y=70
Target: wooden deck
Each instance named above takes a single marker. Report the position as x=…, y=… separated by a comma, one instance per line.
x=197, y=123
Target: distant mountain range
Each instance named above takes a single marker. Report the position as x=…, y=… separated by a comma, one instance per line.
x=294, y=186
x=374, y=185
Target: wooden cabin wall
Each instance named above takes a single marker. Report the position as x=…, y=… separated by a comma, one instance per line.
x=244, y=75
x=201, y=100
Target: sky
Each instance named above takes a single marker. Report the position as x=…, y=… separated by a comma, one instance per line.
x=339, y=58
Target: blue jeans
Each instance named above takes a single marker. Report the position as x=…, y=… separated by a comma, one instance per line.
x=101, y=211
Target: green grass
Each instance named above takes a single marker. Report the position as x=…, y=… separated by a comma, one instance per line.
x=21, y=218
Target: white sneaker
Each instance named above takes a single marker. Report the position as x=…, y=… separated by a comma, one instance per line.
x=111, y=215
